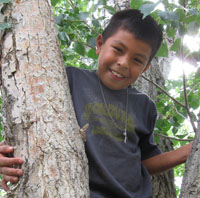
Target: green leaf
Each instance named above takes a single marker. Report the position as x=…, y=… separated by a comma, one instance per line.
x=54, y=2
x=171, y=32
x=92, y=42
x=4, y=26
x=198, y=7
x=92, y=54
x=147, y=9
x=136, y=4
x=110, y=9
x=176, y=46
x=59, y=19
x=193, y=27
x=5, y=1
x=193, y=11
x=163, y=51
x=181, y=14
x=163, y=125
x=171, y=16
x=63, y=36
x=197, y=74
x=157, y=139
x=79, y=48
x=182, y=30
x=83, y=15
x=96, y=23
x=101, y=2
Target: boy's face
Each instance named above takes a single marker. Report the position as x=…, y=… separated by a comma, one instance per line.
x=122, y=59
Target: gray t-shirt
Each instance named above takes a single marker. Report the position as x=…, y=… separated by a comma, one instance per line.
x=115, y=168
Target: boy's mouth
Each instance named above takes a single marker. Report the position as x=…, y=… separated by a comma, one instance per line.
x=117, y=74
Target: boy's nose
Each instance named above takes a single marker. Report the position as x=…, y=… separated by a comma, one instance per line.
x=123, y=62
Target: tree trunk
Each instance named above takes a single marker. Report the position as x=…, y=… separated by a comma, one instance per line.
x=38, y=116
x=191, y=181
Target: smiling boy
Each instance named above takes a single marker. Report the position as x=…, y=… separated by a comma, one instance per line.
x=119, y=142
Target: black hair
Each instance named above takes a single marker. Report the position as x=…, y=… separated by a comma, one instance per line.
x=132, y=20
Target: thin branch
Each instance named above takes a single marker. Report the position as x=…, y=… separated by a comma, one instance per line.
x=71, y=3
x=165, y=92
x=185, y=91
x=85, y=44
x=180, y=113
x=173, y=138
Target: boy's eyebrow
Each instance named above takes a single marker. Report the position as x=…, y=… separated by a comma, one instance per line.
x=124, y=46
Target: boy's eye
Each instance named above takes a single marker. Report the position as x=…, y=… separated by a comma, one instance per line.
x=138, y=60
x=118, y=49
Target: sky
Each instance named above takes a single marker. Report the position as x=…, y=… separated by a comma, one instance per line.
x=193, y=43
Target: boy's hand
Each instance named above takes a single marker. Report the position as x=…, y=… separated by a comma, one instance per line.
x=9, y=174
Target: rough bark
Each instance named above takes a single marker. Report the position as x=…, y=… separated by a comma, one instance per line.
x=191, y=181
x=38, y=116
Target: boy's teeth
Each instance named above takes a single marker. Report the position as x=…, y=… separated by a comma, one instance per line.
x=116, y=74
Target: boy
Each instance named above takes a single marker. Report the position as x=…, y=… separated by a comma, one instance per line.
x=119, y=145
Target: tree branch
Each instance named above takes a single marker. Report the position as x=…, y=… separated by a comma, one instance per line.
x=71, y=3
x=173, y=138
x=165, y=92
x=185, y=91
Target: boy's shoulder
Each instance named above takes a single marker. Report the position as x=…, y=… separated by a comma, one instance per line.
x=72, y=69
x=138, y=93
x=79, y=75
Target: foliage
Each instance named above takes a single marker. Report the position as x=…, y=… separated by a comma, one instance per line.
x=78, y=24
x=174, y=115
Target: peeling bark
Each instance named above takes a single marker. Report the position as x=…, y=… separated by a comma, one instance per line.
x=191, y=181
x=38, y=115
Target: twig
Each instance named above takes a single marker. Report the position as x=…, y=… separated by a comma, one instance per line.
x=180, y=113
x=173, y=138
x=165, y=92
x=71, y=3
x=85, y=44
x=185, y=91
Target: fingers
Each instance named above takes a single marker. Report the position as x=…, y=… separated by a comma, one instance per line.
x=4, y=185
x=7, y=179
x=9, y=162
x=11, y=171
x=10, y=179
x=5, y=149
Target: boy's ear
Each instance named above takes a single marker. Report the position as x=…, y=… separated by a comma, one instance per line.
x=147, y=67
x=99, y=43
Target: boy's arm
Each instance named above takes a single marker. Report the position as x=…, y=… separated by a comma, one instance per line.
x=168, y=160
